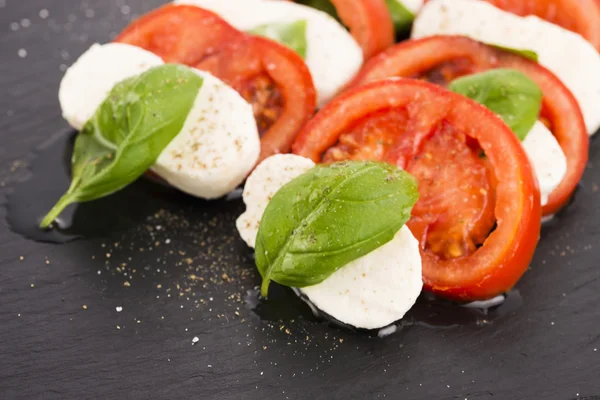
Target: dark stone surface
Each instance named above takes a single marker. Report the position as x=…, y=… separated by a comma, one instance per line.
x=194, y=283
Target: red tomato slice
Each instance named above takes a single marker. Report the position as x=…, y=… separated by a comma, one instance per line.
x=580, y=16
x=271, y=77
x=440, y=59
x=439, y=136
x=369, y=22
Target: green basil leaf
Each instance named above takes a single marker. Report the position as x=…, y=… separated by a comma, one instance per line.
x=529, y=54
x=292, y=34
x=127, y=133
x=510, y=94
x=401, y=16
x=328, y=217
x=322, y=5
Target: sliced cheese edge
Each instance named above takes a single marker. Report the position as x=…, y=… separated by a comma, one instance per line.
x=218, y=145
x=88, y=81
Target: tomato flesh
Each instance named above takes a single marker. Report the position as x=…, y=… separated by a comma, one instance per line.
x=447, y=71
x=248, y=76
x=441, y=59
x=478, y=215
x=271, y=77
x=451, y=174
x=372, y=138
x=266, y=100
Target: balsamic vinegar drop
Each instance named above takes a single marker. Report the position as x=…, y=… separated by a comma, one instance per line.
x=34, y=197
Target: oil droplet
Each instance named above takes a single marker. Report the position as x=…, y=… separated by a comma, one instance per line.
x=49, y=178
x=33, y=197
x=286, y=304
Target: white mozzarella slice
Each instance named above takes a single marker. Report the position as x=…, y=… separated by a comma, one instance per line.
x=569, y=56
x=412, y=5
x=332, y=56
x=370, y=292
x=375, y=290
x=261, y=186
x=548, y=160
x=217, y=147
x=89, y=80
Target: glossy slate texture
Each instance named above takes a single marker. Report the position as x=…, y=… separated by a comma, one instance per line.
x=178, y=270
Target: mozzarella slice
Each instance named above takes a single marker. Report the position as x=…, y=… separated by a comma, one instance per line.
x=569, y=56
x=546, y=156
x=261, y=186
x=211, y=155
x=412, y=5
x=370, y=292
x=218, y=145
x=375, y=290
x=333, y=56
x=89, y=80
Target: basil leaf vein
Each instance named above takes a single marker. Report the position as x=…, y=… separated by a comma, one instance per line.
x=127, y=133
x=290, y=34
x=508, y=93
x=328, y=217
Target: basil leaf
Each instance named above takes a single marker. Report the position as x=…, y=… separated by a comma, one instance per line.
x=322, y=5
x=510, y=94
x=328, y=217
x=401, y=16
x=292, y=34
x=529, y=54
x=127, y=133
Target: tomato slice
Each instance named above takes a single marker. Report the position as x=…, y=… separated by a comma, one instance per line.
x=369, y=22
x=580, y=16
x=440, y=59
x=478, y=217
x=271, y=77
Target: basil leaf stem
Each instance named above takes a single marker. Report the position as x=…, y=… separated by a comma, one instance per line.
x=127, y=133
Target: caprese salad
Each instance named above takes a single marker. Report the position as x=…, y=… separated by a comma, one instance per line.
x=371, y=170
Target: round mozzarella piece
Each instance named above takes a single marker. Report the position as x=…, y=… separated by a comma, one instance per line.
x=261, y=186
x=375, y=290
x=218, y=145
x=569, y=56
x=332, y=56
x=370, y=292
x=89, y=80
x=547, y=158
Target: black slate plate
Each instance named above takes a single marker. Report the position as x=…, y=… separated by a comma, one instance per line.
x=61, y=336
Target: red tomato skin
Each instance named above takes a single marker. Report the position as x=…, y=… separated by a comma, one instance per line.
x=370, y=23
x=288, y=71
x=412, y=57
x=211, y=44
x=168, y=32
x=505, y=255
